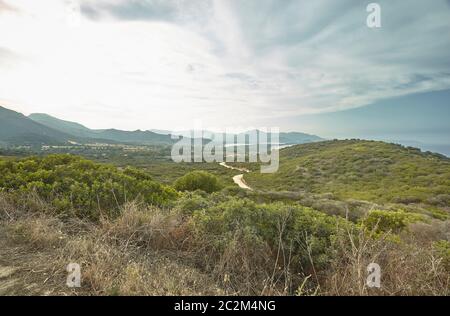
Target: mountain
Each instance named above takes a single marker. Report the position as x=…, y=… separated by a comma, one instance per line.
x=135, y=137
x=17, y=129
x=298, y=138
x=41, y=128
x=288, y=138
x=61, y=125
x=363, y=170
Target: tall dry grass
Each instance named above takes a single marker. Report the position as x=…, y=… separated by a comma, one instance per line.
x=149, y=251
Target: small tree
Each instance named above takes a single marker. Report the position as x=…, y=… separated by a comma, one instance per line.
x=198, y=180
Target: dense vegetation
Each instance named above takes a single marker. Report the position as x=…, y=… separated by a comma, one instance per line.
x=195, y=235
x=70, y=182
x=362, y=170
x=198, y=180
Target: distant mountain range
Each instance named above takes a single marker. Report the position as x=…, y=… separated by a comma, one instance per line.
x=42, y=129
x=17, y=129
x=76, y=129
x=286, y=138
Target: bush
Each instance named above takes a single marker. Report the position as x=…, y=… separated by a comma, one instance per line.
x=442, y=248
x=390, y=221
x=303, y=232
x=440, y=200
x=75, y=184
x=198, y=180
x=190, y=202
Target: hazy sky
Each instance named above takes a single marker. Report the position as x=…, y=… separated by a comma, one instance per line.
x=163, y=64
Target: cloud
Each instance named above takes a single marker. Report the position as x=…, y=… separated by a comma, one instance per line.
x=154, y=63
x=7, y=8
x=129, y=10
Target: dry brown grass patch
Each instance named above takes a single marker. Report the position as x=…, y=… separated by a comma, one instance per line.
x=40, y=232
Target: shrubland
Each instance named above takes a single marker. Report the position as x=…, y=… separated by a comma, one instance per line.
x=371, y=171
x=134, y=236
x=81, y=186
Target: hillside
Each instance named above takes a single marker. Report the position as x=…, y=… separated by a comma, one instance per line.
x=17, y=129
x=137, y=137
x=134, y=236
x=363, y=170
x=61, y=125
x=298, y=138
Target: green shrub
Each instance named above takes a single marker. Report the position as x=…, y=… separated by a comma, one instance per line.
x=390, y=221
x=190, y=202
x=72, y=183
x=198, y=180
x=303, y=232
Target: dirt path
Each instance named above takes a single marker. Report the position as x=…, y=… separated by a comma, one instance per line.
x=238, y=179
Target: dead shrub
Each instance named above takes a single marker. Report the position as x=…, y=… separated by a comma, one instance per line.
x=7, y=209
x=245, y=266
x=426, y=233
x=406, y=269
x=148, y=227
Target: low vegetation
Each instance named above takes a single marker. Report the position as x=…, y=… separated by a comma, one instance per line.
x=133, y=235
x=363, y=170
x=198, y=180
x=86, y=188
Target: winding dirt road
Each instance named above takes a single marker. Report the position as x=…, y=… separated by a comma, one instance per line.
x=238, y=179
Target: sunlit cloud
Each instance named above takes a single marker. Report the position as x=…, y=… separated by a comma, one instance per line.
x=164, y=64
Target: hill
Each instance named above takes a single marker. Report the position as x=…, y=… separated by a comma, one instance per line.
x=61, y=125
x=17, y=129
x=364, y=170
x=136, y=137
x=134, y=236
x=298, y=138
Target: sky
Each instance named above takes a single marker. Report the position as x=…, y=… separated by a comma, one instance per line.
x=162, y=64
x=422, y=117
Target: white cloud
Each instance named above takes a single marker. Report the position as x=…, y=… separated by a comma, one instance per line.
x=163, y=64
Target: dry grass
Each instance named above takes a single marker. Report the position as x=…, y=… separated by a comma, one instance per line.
x=149, y=251
x=243, y=268
x=39, y=232
x=149, y=228
x=133, y=255
x=407, y=268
